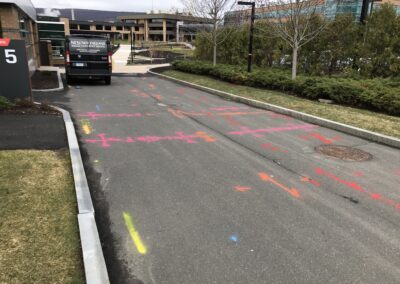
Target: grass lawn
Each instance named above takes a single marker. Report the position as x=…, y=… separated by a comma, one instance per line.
x=377, y=122
x=177, y=49
x=38, y=224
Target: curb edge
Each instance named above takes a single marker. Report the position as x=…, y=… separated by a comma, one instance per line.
x=93, y=258
x=60, y=85
x=355, y=131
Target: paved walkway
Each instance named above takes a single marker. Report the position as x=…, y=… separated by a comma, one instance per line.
x=120, y=59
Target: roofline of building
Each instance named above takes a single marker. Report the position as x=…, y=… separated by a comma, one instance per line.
x=24, y=5
x=89, y=22
x=163, y=16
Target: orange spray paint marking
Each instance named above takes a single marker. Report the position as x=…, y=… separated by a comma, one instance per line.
x=152, y=86
x=242, y=188
x=292, y=191
x=310, y=180
x=158, y=97
x=143, y=95
x=273, y=148
x=352, y=185
x=231, y=120
x=176, y=113
x=205, y=136
x=321, y=138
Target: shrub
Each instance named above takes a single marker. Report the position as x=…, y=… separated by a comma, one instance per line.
x=377, y=94
x=5, y=103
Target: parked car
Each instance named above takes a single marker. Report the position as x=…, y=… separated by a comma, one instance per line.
x=88, y=57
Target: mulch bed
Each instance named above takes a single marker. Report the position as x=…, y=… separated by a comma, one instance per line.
x=42, y=80
x=31, y=110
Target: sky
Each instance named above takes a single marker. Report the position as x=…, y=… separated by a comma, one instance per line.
x=112, y=5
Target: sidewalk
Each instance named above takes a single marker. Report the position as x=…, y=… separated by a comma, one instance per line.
x=120, y=58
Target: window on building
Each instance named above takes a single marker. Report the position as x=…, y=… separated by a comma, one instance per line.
x=127, y=28
x=85, y=27
x=156, y=20
x=119, y=28
x=99, y=27
x=136, y=29
x=107, y=28
x=73, y=26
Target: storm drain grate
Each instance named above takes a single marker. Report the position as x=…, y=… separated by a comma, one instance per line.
x=344, y=153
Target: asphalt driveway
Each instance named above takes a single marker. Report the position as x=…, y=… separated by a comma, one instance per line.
x=191, y=188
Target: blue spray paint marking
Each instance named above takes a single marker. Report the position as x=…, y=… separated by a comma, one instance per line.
x=234, y=238
x=98, y=108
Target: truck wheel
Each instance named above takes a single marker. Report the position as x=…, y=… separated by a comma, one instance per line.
x=107, y=80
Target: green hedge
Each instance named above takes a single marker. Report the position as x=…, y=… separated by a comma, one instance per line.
x=377, y=94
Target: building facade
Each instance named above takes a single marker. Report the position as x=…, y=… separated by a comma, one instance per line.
x=18, y=21
x=52, y=30
x=330, y=9
x=162, y=26
x=114, y=30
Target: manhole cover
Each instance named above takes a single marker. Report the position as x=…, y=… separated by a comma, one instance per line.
x=344, y=153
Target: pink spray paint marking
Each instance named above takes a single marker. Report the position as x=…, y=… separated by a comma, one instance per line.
x=358, y=174
x=181, y=91
x=135, y=91
x=278, y=115
x=106, y=142
x=95, y=115
x=355, y=186
x=321, y=138
x=257, y=132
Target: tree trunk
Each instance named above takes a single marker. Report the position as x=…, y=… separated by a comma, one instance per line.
x=294, y=61
x=215, y=43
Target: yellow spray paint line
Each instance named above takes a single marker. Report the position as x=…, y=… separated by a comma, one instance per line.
x=134, y=234
x=86, y=127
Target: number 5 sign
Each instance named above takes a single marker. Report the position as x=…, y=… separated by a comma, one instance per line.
x=14, y=71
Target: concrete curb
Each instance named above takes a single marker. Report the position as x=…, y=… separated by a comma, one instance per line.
x=93, y=258
x=60, y=85
x=355, y=131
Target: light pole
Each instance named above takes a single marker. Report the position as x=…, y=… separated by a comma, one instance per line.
x=250, y=55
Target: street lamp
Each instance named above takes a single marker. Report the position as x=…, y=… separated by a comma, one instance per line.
x=250, y=56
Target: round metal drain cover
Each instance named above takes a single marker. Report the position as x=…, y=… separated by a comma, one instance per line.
x=344, y=153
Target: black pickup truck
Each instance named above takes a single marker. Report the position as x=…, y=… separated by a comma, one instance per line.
x=88, y=57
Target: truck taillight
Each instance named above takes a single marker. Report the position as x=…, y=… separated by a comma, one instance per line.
x=67, y=58
x=109, y=59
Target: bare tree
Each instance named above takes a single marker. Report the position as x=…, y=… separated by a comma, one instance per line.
x=297, y=22
x=214, y=11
